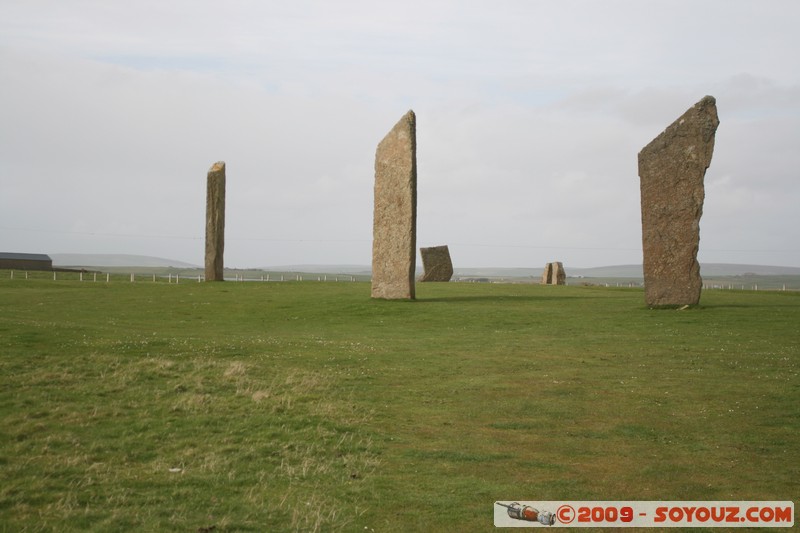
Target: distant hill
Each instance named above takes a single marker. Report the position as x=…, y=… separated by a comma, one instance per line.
x=115, y=260
x=628, y=271
x=706, y=269
x=723, y=269
x=497, y=272
x=614, y=271
x=353, y=270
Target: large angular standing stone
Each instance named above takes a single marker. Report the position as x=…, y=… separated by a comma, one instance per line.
x=671, y=170
x=437, y=264
x=394, y=223
x=554, y=274
x=215, y=221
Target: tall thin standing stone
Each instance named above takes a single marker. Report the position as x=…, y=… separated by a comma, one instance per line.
x=215, y=221
x=672, y=169
x=394, y=223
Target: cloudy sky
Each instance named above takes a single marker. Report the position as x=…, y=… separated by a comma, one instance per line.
x=530, y=115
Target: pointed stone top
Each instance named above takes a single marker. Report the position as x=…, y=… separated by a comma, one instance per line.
x=409, y=120
x=701, y=118
x=405, y=132
x=707, y=100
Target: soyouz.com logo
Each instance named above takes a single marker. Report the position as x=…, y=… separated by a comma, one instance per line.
x=644, y=514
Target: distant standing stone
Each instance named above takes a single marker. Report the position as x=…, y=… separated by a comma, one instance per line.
x=215, y=221
x=437, y=264
x=560, y=275
x=554, y=274
x=394, y=223
x=547, y=274
x=672, y=169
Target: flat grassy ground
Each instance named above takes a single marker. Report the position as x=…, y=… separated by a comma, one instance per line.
x=307, y=406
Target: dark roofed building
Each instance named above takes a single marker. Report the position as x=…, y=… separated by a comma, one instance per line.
x=25, y=261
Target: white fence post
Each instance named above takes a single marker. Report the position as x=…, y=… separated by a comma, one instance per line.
x=54, y=275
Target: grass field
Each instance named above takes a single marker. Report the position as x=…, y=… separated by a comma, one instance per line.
x=307, y=406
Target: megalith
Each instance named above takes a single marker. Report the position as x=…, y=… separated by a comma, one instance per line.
x=437, y=263
x=671, y=171
x=554, y=274
x=394, y=223
x=547, y=274
x=215, y=221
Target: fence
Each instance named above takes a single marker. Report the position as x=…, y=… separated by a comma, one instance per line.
x=176, y=278
x=779, y=283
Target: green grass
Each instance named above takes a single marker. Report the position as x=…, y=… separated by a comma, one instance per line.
x=307, y=406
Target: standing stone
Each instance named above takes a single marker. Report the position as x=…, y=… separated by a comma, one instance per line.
x=547, y=275
x=559, y=274
x=554, y=274
x=671, y=170
x=215, y=221
x=394, y=223
x=437, y=264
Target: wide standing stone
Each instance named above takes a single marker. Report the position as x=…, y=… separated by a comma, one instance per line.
x=671, y=170
x=437, y=264
x=215, y=221
x=554, y=274
x=394, y=223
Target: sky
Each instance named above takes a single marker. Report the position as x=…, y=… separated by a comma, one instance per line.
x=530, y=116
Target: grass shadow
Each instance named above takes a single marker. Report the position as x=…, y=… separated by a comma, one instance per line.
x=502, y=298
